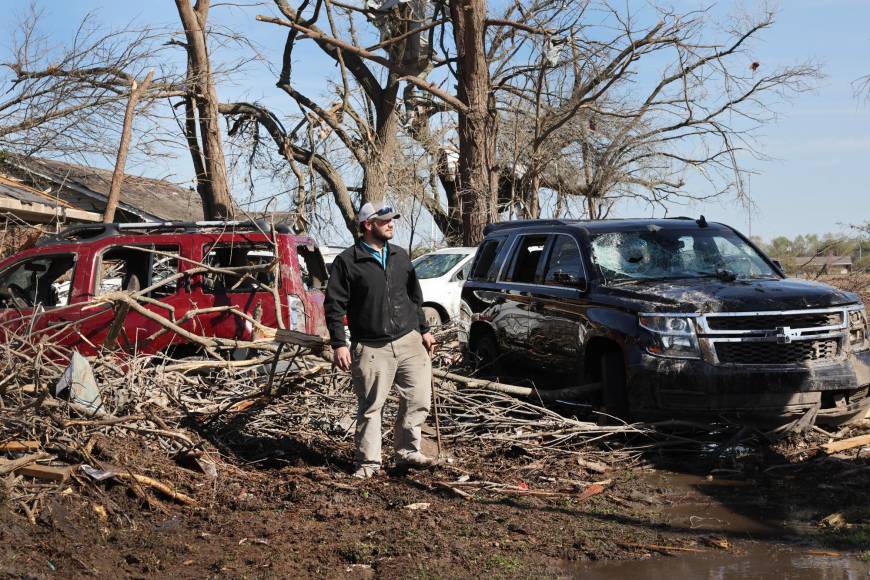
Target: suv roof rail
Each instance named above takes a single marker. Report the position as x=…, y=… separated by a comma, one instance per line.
x=522, y=223
x=89, y=232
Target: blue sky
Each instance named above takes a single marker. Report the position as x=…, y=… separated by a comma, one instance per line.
x=816, y=180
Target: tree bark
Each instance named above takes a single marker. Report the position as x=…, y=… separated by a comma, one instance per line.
x=477, y=182
x=121, y=160
x=202, y=101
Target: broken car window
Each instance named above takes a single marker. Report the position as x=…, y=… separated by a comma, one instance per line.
x=311, y=267
x=251, y=264
x=565, y=266
x=44, y=281
x=527, y=255
x=661, y=254
x=133, y=268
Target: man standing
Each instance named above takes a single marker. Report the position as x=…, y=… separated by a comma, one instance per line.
x=373, y=283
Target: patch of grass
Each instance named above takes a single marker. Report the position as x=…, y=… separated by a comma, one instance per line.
x=857, y=538
x=359, y=553
x=504, y=563
x=864, y=556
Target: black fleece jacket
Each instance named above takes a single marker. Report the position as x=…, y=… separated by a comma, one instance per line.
x=381, y=305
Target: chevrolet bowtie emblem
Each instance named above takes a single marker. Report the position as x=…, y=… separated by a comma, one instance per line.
x=785, y=334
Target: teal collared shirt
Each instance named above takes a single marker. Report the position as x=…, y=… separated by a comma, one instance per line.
x=379, y=255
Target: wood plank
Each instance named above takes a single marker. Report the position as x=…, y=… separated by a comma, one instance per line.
x=19, y=446
x=57, y=474
x=845, y=444
x=7, y=466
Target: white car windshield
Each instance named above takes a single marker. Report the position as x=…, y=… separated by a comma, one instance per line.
x=663, y=254
x=436, y=265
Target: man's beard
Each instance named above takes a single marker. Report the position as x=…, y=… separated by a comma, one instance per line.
x=382, y=237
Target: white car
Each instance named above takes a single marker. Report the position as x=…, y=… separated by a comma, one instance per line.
x=329, y=253
x=441, y=275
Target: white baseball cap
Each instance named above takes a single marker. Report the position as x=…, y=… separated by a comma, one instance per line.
x=376, y=210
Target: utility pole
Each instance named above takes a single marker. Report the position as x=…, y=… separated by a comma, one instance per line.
x=121, y=161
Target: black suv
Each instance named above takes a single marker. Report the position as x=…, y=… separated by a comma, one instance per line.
x=672, y=316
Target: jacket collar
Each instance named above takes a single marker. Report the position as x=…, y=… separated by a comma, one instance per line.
x=360, y=253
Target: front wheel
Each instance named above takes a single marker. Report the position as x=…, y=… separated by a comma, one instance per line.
x=615, y=391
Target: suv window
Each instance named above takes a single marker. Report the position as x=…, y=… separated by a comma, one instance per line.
x=485, y=268
x=132, y=268
x=527, y=255
x=565, y=265
x=45, y=280
x=253, y=262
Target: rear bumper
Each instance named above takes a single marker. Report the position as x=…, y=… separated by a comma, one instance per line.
x=660, y=385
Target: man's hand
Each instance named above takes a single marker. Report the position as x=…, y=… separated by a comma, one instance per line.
x=429, y=343
x=341, y=357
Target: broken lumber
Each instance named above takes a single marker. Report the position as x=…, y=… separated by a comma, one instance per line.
x=19, y=446
x=544, y=395
x=57, y=474
x=10, y=466
x=845, y=444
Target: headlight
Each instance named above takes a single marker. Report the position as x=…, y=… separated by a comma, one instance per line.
x=858, y=331
x=674, y=335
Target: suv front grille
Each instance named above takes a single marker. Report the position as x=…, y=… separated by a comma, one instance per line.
x=772, y=321
x=771, y=353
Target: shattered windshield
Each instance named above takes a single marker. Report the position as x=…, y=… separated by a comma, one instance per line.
x=436, y=265
x=655, y=253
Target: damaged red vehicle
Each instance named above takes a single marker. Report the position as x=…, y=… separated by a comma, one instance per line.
x=199, y=275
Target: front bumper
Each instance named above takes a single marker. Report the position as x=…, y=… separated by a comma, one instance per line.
x=662, y=386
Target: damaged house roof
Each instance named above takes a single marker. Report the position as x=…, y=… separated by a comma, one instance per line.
x=74, y=191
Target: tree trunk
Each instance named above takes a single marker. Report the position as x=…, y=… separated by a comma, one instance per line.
x=477, y=182
x=121, y=160
x=206, y=150
x=382, y=151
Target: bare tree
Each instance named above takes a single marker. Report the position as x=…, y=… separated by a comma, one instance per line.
x=201, y=114
x=69, y=101
x=635, y=114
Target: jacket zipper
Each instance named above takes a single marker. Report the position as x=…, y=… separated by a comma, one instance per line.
x=389, y=321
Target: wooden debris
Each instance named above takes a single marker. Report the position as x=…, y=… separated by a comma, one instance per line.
x=594, y=466
x=7, y=467
x=56, y=474
x=658, y=548
x=845, y=444
x=19, y=446
x=161, y=487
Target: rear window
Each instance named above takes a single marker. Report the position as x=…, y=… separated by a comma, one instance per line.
x=436, y=265
x=485, y=265
x=528, y=254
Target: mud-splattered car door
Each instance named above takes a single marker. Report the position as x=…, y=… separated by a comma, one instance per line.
x=557, y=307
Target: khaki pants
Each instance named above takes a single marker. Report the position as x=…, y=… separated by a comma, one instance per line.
x=376, y=367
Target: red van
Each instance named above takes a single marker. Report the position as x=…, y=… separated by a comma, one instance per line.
x=191, y=273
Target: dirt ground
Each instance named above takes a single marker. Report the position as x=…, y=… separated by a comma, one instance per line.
x=303, y=516
x=287, y=507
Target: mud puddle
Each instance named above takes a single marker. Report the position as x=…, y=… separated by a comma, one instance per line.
x=722, y=528
x=752, y=560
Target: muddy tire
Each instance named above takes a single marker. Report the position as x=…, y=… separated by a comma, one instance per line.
x=433, y=319
x=487, y=354
x=615, y=391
